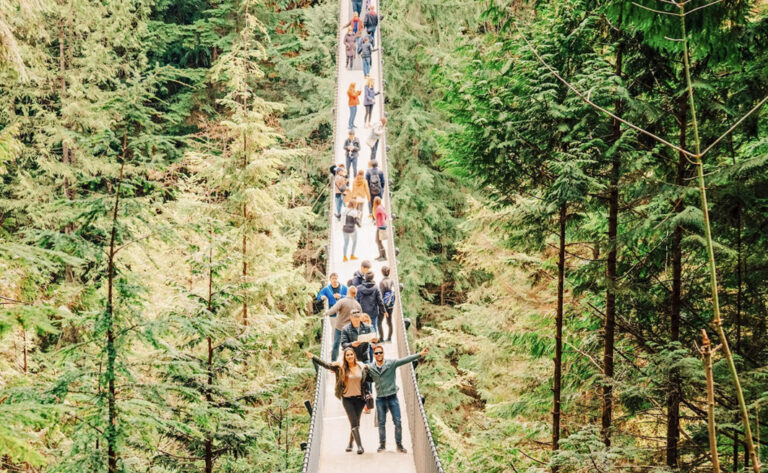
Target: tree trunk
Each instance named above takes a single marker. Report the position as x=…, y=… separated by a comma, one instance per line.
x=610, y=270
x=674, y=393
x=209, y=365
x=245, y=239
x=739, y=274
x=559, y=333
x=706, y=352
x=24, y=339
x=65, y=151
x=111, y=349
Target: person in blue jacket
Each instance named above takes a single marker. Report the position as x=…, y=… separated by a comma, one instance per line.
x=333, y=291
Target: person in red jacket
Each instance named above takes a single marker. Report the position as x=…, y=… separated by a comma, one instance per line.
x=354, y=101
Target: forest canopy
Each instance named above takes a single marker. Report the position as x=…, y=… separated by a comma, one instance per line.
x=581, y=192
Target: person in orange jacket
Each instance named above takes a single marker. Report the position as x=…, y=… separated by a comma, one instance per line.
x=354, y=101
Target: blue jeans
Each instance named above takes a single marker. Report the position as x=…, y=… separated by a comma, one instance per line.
x=336, y=344
x=339, y=203
x=357, y=6
x=391, y=404
x=366, y=66
x=347, y=237
x=351, y=162
x=374, y=149
x=352, y=113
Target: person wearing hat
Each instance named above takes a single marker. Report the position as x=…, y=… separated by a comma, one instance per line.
x=351, y=332
x=352, y=151
x=342, y=310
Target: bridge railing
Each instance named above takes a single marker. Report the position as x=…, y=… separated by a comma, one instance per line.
x=424, y=449
x=312, y=452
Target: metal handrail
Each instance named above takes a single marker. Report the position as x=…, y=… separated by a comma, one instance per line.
x=312, y=452
x=424, y=449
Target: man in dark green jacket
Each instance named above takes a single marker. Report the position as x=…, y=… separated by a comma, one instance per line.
x=383, y=374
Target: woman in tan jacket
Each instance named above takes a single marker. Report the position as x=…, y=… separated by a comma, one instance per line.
x=360, y=191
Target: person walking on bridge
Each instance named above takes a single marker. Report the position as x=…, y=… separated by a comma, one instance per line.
x=340, y=187
x=356, y=23
x=365, y=50
x=376, y=133
x=350, y=45
x=357, y=6
x=360, y=192
x=351, y=218
x=343, y=314
x=354, y=100
x=351, y=387
x=369, y=99
x=383, y=374
x=387, y=288
x=369, y=297
x=380, y=217
x=370, y=22
x=352, y=151
x=376, y=182
x=333, y=291
x=359, y=277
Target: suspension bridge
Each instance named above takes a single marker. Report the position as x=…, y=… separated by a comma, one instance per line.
x=329, y=428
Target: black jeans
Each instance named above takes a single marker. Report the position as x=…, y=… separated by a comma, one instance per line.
x=350, y=61
x=368, y=113
x=354, y=408
x=389, y=325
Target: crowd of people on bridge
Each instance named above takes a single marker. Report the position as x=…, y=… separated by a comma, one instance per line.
x=359, y=309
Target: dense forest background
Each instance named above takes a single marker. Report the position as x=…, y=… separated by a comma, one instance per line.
x=163, y=171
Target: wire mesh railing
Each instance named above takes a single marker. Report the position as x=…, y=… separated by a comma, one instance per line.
x=424, y=449
x=312, y=452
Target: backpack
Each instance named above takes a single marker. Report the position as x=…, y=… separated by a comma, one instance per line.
x=375, y=184
x=389, y=299
x=349, y=224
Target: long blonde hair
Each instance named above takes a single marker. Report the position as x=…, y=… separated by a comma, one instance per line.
x=376, y=203
x=351, y=88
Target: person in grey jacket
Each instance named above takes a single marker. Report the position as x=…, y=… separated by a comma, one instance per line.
x=350, y=43
x=365, y=50
x=383, y=374
x=344, y=308
x=352, y=151
x=369, y=99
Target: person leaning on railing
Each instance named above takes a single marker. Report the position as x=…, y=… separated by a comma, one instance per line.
x=383, y=374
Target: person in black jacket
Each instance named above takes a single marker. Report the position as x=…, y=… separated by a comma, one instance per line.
x=352, y=331
x=359, y=277
x=370, y=22
x=369, y=297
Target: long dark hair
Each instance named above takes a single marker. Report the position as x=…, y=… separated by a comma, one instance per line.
x=344, y=366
